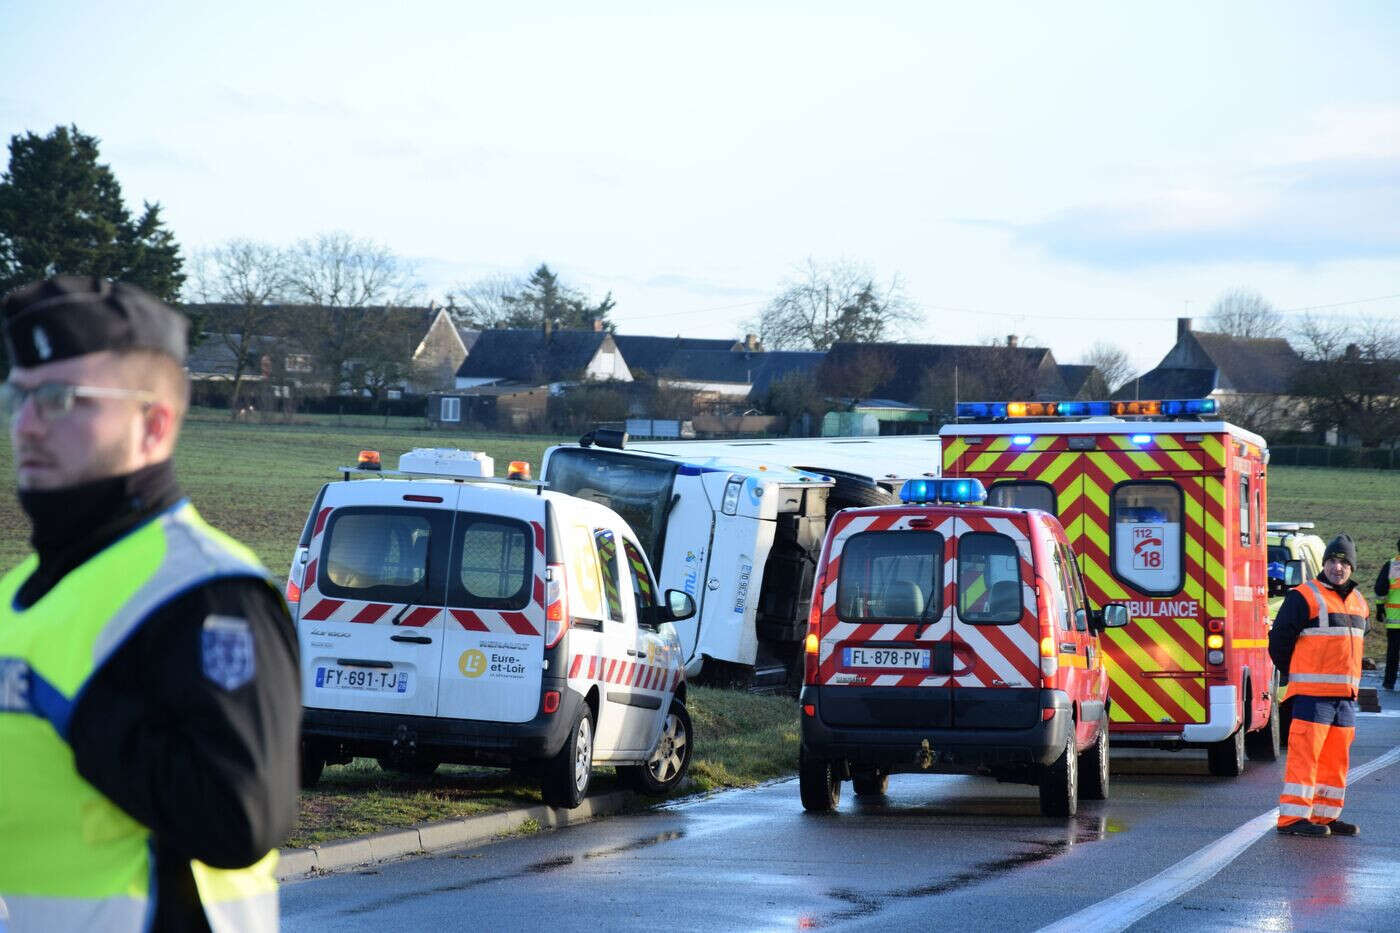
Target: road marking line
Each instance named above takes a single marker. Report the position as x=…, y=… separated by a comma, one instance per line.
x=1125, y=908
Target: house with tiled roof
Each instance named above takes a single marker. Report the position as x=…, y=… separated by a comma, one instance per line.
x=1249, y=377
x=924, y=374
x=541, y=357
x=441, y=352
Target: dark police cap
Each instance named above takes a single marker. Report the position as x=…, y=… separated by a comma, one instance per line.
x=70, y=315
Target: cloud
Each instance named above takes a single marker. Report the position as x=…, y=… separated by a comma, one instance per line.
x=1321, y=210
x=697, y=286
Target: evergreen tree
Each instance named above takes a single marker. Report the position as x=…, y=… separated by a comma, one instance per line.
x=61, y=211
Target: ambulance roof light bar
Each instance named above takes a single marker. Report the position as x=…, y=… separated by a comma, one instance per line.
x=931, y=491
x=1005, y=411
x=1288, y=526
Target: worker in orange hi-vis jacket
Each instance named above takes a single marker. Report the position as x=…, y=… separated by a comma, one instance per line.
x=1317, y=641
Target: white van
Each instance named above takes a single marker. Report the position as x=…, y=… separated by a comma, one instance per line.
x=449, y=617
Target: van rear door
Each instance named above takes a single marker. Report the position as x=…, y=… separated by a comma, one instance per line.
x=996, y=632
x=370, y=620
x=493, y=639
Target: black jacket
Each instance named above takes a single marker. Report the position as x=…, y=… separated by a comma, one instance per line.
x=212, y=773
x=1294, y=616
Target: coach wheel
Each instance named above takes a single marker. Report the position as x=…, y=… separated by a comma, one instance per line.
x=1226, y=757
x=1059, y=783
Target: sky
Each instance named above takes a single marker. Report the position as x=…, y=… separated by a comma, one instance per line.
x=1067, y=172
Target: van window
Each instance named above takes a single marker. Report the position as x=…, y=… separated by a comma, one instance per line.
x=381, y=554
x=989, y=579
x=1146, y=547
x=1074, y=586
x=891, y=575
x=1023, y=496
x=643, y=590
x=607, y=557
x=1061, y=584
x=494, y=557
x=585, y=584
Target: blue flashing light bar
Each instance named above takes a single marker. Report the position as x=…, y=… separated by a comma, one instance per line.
x=957, y=491
x=1173, y=408
x=1142, y=438
x=1021, y=440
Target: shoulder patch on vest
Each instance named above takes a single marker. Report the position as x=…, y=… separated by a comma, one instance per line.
x=227, y=652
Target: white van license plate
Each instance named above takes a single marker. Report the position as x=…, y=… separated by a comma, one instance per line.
x=360, y=678
x=892, y=658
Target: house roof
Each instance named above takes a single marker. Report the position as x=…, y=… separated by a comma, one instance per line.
x=531, y=357
x=1169, y=382
x=213, y=357
x=1251, y=365
x=779, y=363
x=653, y=355
x=910, y=362
x=1074, y=375
x=406, y=325
x=711, y=366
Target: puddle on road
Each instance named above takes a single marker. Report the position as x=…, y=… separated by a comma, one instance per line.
x=1082, y=829
x=534, y=868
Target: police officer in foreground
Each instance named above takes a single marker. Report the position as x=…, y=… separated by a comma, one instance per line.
x=1317, y=642
x=149, y=695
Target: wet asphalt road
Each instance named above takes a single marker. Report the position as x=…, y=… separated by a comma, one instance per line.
x=940, y=852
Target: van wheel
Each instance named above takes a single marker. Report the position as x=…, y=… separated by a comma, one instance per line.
x=1264, y=744
x=1093, y=767
x=871, y=784
x=311, y=764
x=566, y=775
x=820, y=784
x=1226, y=757
x=1059, y=783
x=669, y=762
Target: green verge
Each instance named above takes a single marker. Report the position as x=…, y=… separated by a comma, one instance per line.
x=740, y=740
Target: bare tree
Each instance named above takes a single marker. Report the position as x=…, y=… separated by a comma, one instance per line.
x=856, y=375
x=351, y=285
x=486, y=302
x=1243, y=312
x=251, y=279
x=1351, y=377
x=829, y=302
x=1112, y=363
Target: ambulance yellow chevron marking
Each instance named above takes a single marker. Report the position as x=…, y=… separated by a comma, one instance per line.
x=1131, y=649
x=1181, y=656
x=995, y=449
x=1056, y=467
x=1213, y=450
x=954, y=449
x=1125, y=684
x=1178, y=693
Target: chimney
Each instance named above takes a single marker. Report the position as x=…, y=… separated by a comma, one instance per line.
x=1011, y=340
x=1183, y=327
x=751, y=342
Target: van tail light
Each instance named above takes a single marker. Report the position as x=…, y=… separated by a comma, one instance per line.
x=556, y=605
x=551, y=702
x=812, y=645
x=293, y=592
x=1049, y=658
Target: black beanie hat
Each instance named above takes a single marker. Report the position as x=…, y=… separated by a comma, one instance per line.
x=1342, y=547
x=72, y=315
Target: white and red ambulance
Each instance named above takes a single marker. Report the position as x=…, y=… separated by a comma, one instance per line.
x=445, y=616
x=948, y=637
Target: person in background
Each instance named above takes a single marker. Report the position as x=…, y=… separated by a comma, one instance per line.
x=149, y=690
x=1388, y=611
x=1317, y=642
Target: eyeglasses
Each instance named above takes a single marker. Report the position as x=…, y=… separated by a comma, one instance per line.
x=54, y=400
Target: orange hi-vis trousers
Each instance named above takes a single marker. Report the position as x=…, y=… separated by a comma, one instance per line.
x=1319, y=750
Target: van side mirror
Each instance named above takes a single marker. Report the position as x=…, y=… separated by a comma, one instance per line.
x=679, y=605
x=1114, y=615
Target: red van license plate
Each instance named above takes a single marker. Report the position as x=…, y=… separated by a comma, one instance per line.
x=888, y=658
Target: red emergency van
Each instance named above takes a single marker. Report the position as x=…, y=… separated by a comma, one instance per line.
x=948, y=637
x=1165, y=510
